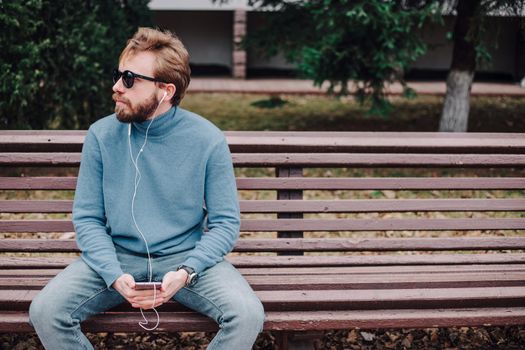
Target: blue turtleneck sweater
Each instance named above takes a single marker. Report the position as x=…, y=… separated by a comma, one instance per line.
x=187, y=173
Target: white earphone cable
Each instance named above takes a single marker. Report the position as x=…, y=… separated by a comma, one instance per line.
x=138, y=176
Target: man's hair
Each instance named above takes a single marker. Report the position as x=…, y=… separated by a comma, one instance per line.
x=172, y=62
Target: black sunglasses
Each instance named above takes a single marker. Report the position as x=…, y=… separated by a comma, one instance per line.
x=128, y=78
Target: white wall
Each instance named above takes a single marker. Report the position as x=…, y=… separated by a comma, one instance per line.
x=202, y=5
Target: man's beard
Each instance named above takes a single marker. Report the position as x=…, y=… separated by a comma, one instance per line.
x=138, y=113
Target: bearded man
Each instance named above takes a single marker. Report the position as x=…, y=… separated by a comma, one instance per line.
x=156, y=201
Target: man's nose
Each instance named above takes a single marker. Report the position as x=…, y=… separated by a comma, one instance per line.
x=118, y=86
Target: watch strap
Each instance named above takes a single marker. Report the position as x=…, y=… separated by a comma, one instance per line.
x=192, y=275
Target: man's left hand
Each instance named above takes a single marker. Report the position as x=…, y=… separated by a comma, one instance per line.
x=172, y=282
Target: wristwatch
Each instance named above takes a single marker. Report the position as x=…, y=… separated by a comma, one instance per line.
x=192, y=275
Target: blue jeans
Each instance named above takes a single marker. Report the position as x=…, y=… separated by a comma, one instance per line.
x=78, y=292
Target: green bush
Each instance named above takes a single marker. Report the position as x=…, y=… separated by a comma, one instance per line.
x=57, y=57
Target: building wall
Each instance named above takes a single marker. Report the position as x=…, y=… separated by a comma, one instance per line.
x=201, y=5
x=207, y=35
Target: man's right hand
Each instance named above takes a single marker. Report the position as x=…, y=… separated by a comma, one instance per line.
x=143, y=299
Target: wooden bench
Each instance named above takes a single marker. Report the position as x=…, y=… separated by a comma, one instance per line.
x=375, y=230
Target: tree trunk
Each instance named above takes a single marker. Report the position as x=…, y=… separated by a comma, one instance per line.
x=459, y=81
x=456, y=108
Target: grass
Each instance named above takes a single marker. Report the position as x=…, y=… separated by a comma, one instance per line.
x=325, y=113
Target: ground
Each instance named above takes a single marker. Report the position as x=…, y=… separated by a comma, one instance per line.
x=487, y=338
x=324, y=113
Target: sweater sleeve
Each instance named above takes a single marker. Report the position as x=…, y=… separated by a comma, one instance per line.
x=89, y=218
x=223, y=211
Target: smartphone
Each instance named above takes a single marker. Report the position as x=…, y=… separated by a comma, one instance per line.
x=147, y=285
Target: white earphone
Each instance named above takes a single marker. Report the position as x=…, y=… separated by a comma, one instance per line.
x=137, y=181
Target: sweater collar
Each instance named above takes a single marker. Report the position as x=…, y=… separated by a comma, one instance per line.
x=161, y=125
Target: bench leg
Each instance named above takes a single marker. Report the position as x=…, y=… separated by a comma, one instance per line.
x=297, y=340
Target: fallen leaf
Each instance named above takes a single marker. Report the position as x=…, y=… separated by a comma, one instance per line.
x=407, y=342
x=368, y=336
x=352, y=336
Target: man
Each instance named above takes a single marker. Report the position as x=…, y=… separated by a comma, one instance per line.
x=152, y=175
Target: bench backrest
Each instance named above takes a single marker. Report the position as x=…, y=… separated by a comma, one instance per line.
x=316, y=191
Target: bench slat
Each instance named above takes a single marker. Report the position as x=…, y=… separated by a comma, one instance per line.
x=38, y=183
x=271, y=261
x=315, y=271
x=279, y=225
x=304, y=141
x=392, y=281
x=41, y=140
x=365, y=299
x=374, y=260
x=341, y=281
x=384, y=183
x=354, y=270
x=377, y=160
x=301, y=160
x=36, y=206
x=400, y=142
x=117, y=322
x=63, y=159
x=380, y=205
x=36, y=226
x=380, y=244
x=393, y=298
x=295, y=321
x=306, y=244
x=381, y=224
x=387, y=183
x=308, y=206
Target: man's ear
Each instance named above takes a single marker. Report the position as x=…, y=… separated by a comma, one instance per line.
x=170, y=90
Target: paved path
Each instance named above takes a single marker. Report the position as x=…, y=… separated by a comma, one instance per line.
x=298, y=86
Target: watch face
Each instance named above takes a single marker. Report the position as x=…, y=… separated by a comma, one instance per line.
x=193, y=279
x=192, y=276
